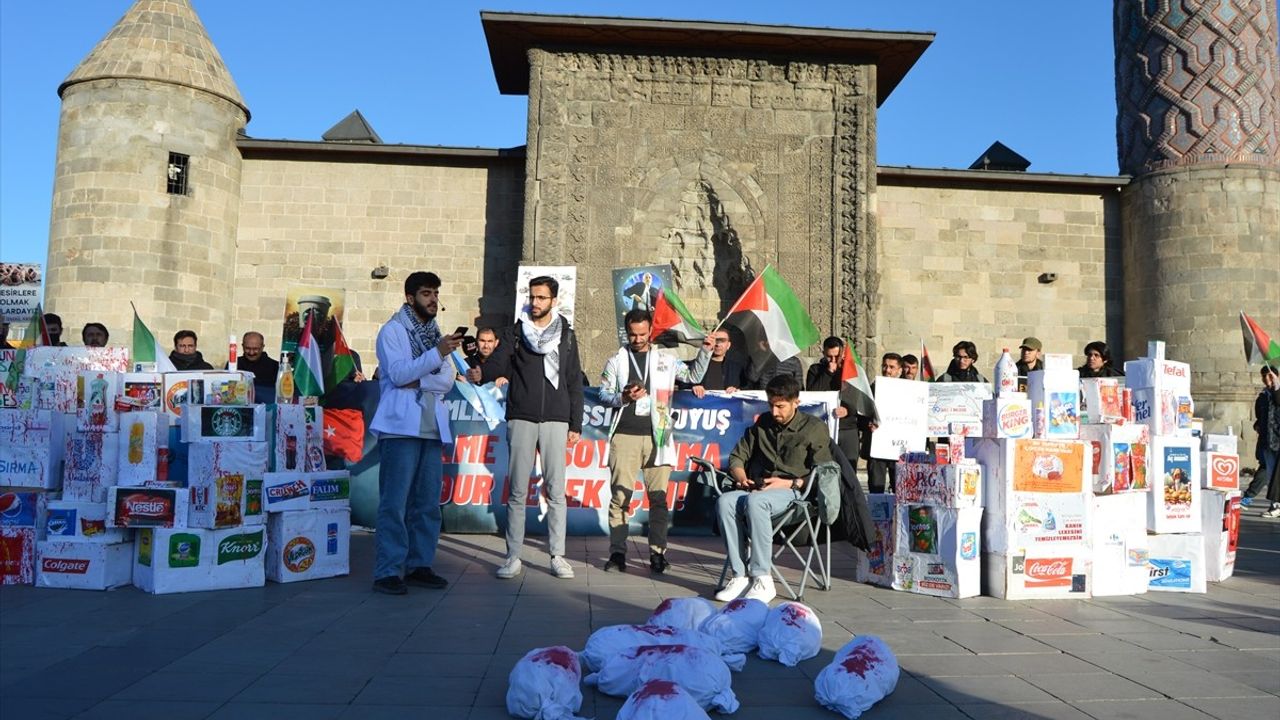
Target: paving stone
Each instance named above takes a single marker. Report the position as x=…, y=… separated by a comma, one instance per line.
x=1194, y=684
x=42, y=708
x=1267, y=681
x=1140, y=710
x=993, y=689
x=1166, y=641
x=1229, y=662
x=277, y=711
x=149, y=710
x=1238, y=708
x=952, y=665
x=433, y=665
x=1031, y=664
x=1023, y=711
x=1090, y=686
x=277, y=688
x=433, y=692
x=401, y=712
x=186, y=686
x=991, y=638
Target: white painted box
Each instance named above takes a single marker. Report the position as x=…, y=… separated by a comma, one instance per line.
x=1173, y=505
x=96, y=393
x=949, y=485
x=1036, y=492
x=1220, y=470
x=90, y=465
x=1007, y=416
x=141, y=436
x=875, y=566
x=1177, y=563
x=1102, y=400
x=218, y=474
x=224, y=423
x=1120, y=457
x=147, y=507
x=1055, y=402
x=308, y=544
x=298, y=438
x=1119, y=542
x=937, y=550
x=83, y=565
x=172, y=560
x=32, y=446
x=1060, y=571
x=1220, y=512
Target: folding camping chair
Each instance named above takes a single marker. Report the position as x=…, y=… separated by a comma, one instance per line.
x=810, y=515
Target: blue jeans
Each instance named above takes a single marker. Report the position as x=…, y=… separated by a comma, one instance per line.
x=1263, y=475
x=753, y=512
x=409, y=482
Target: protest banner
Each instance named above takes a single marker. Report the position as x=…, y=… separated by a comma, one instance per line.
x=903, y=409
x=326, y=305
x=19, y=295
x=955, y=403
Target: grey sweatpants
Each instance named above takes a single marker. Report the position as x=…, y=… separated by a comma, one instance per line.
x=525, y=438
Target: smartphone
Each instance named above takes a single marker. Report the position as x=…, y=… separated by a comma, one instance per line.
x=461, y=331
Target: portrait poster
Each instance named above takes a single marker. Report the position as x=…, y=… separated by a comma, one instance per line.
x=566, y=275
x=326, y=305
x=637, y=288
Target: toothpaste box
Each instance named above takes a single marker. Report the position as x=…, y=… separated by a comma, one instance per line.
x=83, y=565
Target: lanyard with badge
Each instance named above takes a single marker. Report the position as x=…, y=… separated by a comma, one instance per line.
x=643, y=406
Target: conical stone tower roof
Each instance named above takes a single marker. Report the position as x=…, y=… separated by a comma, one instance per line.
x=160, y=40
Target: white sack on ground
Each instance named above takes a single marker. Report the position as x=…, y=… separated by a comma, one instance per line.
x=686, y=612
x=737, y=625
x=544, y=685
x=863, y=673
x=701, y=672
x=661, y=700
x=616, y=639
x=791, y=634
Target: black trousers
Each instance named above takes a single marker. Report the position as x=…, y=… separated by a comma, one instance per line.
x=881, y=473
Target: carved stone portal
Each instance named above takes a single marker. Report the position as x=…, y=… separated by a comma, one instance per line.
x=707, y=262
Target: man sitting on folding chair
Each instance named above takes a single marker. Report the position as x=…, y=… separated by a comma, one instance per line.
x=768, y=467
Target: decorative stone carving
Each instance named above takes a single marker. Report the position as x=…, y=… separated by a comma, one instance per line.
x=708, y=265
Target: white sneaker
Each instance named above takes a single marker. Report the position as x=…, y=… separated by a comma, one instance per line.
x=762, y=589
x=510, y=568
x=1274, y=512
x=733, y=589
x=561, y=568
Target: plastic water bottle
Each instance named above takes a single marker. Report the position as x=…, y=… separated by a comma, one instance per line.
x=1006, y=374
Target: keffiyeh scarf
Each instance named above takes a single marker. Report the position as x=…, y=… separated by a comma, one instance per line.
x=546, y=342
x=423, y=336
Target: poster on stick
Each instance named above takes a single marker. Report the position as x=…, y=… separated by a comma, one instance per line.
x=903, y=406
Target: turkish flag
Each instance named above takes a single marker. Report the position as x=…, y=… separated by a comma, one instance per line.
x=344, y=433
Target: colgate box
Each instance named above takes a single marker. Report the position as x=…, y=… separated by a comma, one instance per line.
x=84, y=565
x=1119, y=541
x=1174, y=502
x=1121, y=457
x=90, y=466
x=147, y=507
x=172, y=560
x=96, y=393
x=1036, y=492
x=937, y=550
x=219, y=475
x=1102, y=400
x=1056, y=395
x=298, y=438
x=1220, y=512
x=31, y=448
x=875, y=566
x=1007, y=416
x=308, y=544
x=950, y=485
x=67, y=520
x=224, y=423
x=141, y=436
x=1177, y=563
x=1221, y=471
x=1061, y=571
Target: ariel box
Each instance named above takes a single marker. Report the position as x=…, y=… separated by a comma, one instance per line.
x=67, y=520
x=1221, y=514
x=1007, y=416
x=1120, y=457
x=1177, y=563
x=1173, y=505
x=937, y=550
x=172, y=560
x=147, y=507
x=949, y=485
x=221, y=476
x=1056, y=571
x=875, y=566
x=32, y=447
x=224, y=423
x=308, y=544
x=1119, y=542
x=1036, y=492
x=1221, y=471
x=83, y=565
x=141, y=436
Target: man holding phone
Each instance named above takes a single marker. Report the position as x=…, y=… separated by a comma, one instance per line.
x=411, y=424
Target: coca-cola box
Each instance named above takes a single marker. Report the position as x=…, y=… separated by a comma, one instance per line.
x=1056, y=571
x=141, y=436
x=31, y=448
x=219, y=475
x=147, y=507
x=308, y=544
x=1220, y=512
x=1119, y=541
x=1120, y=460
x=1173, y=505
x=937, y=550
x=875, y=565
x=84, y=565
x=172, y=560
x=1177, y=563
x=67, y=520
x=1221, y=471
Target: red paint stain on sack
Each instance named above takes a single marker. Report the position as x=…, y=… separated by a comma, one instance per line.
x=559, y=655
x=659, y=650
x=794, y=615
x=860, y=661
x=656, y=688
x=656, y=630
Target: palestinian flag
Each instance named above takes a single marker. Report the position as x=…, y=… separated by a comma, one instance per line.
x=146, y=349
x=306, y=371
x=926, y=365
x=37, y=334
x=855, y=388
x=773, y=322
x=1258, y=345
x=344, y=363
x=670, y=315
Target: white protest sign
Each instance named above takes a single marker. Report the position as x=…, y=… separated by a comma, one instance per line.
x=955, y=403
x=567, y=276
x=903, y=406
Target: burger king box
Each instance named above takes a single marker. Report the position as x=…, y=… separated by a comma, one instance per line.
x=143, y=391
x=90, y=466
x=1007, y=416
x=949, y=485
x=96, y=393
x=141, y=436
x=308, y=544
x=224, y=423
x=875, y=566
x=147, y=507
x=172, y=560
x=1101, y=400
x=31, y=448
x=1173, y=505
x=84, y=565
x=937, y=550
x=1120, y=457
x=68, y=520
x=1177, y=563
x=1040, y=572
x=1055, y=397
x=1221, y=471
x=219, y=474
x=1119, y=541
x=22, y=519
x=1036, y=492
x=1220, y=512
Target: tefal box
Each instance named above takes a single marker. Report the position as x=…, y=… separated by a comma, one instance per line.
x=937, y=550
x=67, y=520
x=298, y=438
x=1055, y=400
x=90, y=465
x=308, y=544
x=1221, y=471
x=875, y=565
x=1007, y=416
x=1119, y=541
x=1177, y=563
x=147, y=507
x=1102, y=400
x=141, y=436
x=1120, y=457
x=224, y=423
x=81, y=565
x=1154, y=371
x=1059, y=571
x=1220, y=512
x=1036, y=492
x=172, y=560
x=1174, y=502
x=950, y=485
x=219, y=475
x=31, y=448
x=96, y=393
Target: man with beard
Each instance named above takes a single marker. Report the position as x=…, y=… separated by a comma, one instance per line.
x=53, y=326
x=881, y=474
x=415, y=374
x=94, y=335
x=824, y=375
x=254, y=359
x=185, y=356
x=723, y=372
x=539, y=357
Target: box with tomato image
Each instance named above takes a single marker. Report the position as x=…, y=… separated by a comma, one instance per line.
x=937, y=550
x=1220, y=470
x=147, y=507
x=875, y=565
x=67, y=520
x=172, y=560
x=308, y=544
x=1120, y=455
x=1119, y=543
x=1220, y=515
x=1173, y=505
x=82, y=565
x=1035, y=492
x=33, y=442
x=1177, y=563
x=1058, y=571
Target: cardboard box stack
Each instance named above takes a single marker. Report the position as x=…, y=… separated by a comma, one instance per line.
x=875, y=566
x=937, y=523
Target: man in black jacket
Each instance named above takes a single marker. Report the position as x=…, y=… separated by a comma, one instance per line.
x=825, y=375
x=185, y=356
x=539, y=357
x=723, y=372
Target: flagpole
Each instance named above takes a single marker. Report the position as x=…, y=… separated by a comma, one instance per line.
x=744, y=292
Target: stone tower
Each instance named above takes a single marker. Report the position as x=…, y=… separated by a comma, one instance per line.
x=146, y=195
x=1197, y=127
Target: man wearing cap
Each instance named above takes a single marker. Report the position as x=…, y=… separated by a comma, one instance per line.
x=1030, y=360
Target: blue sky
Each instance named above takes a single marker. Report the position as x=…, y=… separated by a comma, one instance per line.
x=1035, y=75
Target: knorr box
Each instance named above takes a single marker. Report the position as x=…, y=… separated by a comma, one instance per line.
x=170, y=560
x=308, y=544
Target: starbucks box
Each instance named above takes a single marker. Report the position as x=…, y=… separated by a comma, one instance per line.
x=72, y=520
x=219, y=474
x=224, y=423
x=1055, y=401
x=1118, y=537
x=1221, y=471
x=308, y=544
x=1120, y=457
x=90, y=465
x=172, y=560
x=1177, y=563
x=875, y=566
x=96, y=393
x=950, y=485
x=1173, y=505
x=1007, y=416
x=31, y=448
x=1220, y=512
x=937, y=550
x=147, y=507
x=297, y=438
x=141, y=436
x=1039, y=572
x=1035, y=492
x=82, y=565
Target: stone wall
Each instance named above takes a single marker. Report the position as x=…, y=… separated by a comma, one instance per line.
x=330, y=223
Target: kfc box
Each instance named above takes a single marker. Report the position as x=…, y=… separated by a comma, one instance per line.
x=1007, y=416
x=298, y=440
x=1119, y=541
x=83, y=565
x=1120, y=457
x=1220, y=512
x=141, y=436
x=875, y=566
x=937, y=550
x=172, y=560
x=1177, y=563
x=147, y=507
x=17, y=555
x=950, y=485
x=96, y=394
x=308, y=544
x=1173, y=506
x=219, y=474
x=1055, y=399
x=1221, y=471
x=224, y=423
x=90, y=465
x=31, y=448
x=1055, y=572
x=1102, y=400
x=67, y=520
x=1036, y=492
